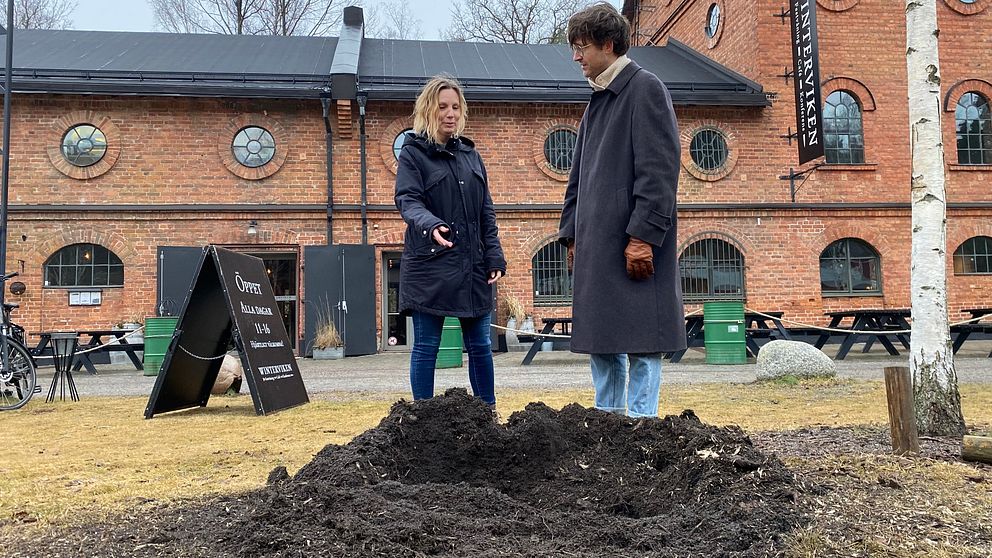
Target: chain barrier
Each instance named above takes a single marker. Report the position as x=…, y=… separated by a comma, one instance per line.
x=198, y=357
x=97, y=347
x=839, y=330
x=753, y=311
x=132, y=332
x=534, y=333
x=556, y=336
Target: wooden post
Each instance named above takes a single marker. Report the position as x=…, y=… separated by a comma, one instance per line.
x=977, y=448
x=902, y=417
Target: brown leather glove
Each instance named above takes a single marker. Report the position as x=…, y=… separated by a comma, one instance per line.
x=640, y=259
x=571, y=256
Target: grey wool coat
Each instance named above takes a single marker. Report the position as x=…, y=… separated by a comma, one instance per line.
x=623, y=183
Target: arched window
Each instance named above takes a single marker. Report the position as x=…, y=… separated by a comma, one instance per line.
x=974, y=256
x=850, y=266
x=84, y=265
x=552, y=280
x=712, y=269
x=973, y=123
x=843, y=136
x=559, y=146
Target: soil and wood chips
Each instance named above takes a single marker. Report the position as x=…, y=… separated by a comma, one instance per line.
x=441, y=478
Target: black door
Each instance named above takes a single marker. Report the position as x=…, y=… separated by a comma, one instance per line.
x=341, y=279
x=176, y=267
x=397, y=329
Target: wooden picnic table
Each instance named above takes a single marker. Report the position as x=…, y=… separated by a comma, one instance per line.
x=963, y=331
x=96, y=336
x=564, y=326
x=876, y=324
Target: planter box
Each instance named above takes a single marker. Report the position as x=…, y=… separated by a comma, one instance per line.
x=331, y=353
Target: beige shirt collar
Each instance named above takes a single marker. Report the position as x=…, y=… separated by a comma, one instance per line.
x=604, y=79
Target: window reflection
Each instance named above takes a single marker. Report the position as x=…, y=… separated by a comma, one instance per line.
x=850, y=266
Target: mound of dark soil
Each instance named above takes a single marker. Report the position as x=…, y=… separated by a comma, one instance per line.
x=438, y=477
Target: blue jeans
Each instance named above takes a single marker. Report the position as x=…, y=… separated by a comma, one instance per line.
x=613, y=394
x=427, y=339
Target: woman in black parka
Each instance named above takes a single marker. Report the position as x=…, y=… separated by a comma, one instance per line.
x=451, y=253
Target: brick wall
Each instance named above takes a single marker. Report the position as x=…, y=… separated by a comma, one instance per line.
x=171, y=151
x=862, y=49
x=134, y=239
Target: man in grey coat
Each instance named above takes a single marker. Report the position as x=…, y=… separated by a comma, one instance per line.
x=619, y=219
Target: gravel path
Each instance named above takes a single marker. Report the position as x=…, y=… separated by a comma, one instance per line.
x=387, y=373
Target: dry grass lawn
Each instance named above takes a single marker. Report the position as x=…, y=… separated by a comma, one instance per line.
x=70, y=462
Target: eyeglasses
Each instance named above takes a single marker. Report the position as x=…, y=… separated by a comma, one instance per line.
x=579, y=49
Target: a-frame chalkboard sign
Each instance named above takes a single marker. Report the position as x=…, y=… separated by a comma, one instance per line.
x=230, y=298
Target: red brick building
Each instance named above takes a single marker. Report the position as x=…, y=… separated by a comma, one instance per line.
x=844, y=241
x=128, y=146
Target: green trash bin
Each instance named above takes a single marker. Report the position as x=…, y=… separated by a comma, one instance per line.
x=158, y=336
x=450, y=353
x=723, y=331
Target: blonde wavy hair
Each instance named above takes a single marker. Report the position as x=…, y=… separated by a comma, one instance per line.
x=426, y=111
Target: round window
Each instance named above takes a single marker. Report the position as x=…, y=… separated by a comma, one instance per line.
x=253, y=146
x=709, y=150
x=969, y=7
x=84, y=145
x=559, y=147
x=398, y=142
x=713, y=20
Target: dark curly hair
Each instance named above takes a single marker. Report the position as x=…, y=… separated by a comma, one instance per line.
x=600, y=23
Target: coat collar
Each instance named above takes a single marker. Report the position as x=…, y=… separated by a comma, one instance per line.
x=623, y=78
x=460, y=143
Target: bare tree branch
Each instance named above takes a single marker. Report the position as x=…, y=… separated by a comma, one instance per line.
x=392, y=19
x=43, y=14
x=302, y=17
x=250, y=17
x=511, y=21
x=230, y=17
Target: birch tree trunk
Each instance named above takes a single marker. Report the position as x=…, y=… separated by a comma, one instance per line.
x=935, y=384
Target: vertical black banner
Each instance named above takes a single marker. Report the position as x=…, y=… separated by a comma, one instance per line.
x=806, y=65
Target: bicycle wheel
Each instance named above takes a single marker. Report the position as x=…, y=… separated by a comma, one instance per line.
x=17, y=378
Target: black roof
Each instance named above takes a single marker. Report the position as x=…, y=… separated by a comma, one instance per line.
x=100, y=62
x=118, y=62
x=394, y=69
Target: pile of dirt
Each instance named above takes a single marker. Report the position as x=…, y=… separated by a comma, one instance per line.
x=439, y=477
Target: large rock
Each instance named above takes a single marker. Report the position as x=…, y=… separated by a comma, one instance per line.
x=778, y=359
x=229, y=376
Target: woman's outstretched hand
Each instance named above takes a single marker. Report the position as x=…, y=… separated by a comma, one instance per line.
x=440, y=232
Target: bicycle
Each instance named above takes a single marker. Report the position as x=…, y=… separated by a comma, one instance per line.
x=18, y=372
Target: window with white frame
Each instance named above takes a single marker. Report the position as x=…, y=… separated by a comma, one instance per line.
x=843, y=131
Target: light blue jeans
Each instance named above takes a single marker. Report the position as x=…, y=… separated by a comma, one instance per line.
x=613, y=394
